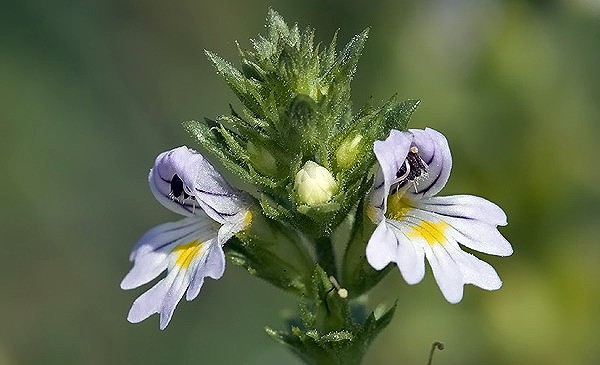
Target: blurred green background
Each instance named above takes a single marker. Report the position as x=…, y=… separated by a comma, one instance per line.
x=92, y=91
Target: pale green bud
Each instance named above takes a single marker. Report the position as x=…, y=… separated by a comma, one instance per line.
x=262, y=159
x=348, y=152
x=314, y=184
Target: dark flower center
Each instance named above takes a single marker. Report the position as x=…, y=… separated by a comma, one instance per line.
x=177, y=188
x=412, y=170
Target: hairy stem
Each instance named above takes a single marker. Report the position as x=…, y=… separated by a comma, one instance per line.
x=326, y=256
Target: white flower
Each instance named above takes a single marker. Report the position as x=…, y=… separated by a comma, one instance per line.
x=414, y=224
x=314, y=184
x=189, y=249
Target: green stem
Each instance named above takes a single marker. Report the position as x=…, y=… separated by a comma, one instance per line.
x=302, y=252
x=435, y=346
x=326, y=256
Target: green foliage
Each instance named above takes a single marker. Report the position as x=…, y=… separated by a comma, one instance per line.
x=328, y=331
x=274, y=253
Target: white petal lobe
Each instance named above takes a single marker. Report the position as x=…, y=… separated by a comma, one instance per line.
x=446, y=273
x=409, y=255
x=465, y=206
x=476, y=271
x=381, y=249
x=213, y=266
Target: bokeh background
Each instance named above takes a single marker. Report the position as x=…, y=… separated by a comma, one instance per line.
x=92, y=91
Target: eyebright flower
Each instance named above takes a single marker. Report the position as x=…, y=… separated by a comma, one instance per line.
x=314, y=184
x=414, y=224
x=190, y=249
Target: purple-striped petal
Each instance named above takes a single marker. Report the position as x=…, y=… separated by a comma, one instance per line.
x=465, y=206
x=213, y=267
x=152, y=301
x=188, y=265
x=475, y=271
x=446, y=272
x=473, y=220
x=151, y=253
x=184, y=181
x=390, y=154
x=435, y=152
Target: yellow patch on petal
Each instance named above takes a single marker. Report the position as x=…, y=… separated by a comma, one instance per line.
x=431, y=232
x=247, y=219
x=397, y=206
x=186, y=253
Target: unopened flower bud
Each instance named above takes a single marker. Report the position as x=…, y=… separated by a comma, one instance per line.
x=348, y=151
x=262, y=159
x=314, y=184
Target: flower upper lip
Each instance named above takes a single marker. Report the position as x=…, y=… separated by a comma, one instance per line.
x=184, y=180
